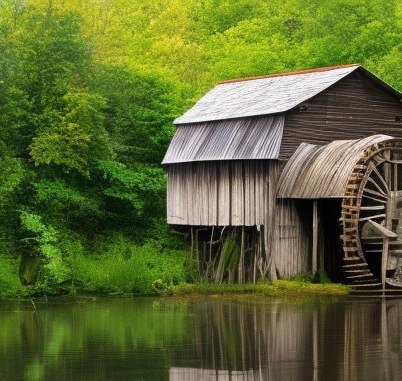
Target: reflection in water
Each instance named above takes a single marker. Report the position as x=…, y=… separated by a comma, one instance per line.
x=193, y=374
x=206, y=339
x=261, y=337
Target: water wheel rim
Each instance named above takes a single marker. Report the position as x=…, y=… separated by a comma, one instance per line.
x=357, y=189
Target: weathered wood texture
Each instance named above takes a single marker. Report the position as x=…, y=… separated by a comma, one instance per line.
x=292, y=238
x=221, y=193
x=292, y=244
x=240, y=193
x=353, y=108
x=323, y=171
x=235, y=139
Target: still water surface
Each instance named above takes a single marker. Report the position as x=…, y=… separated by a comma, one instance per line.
x=201, y=339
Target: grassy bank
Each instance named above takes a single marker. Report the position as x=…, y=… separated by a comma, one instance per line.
x=282, y=288
x=119, y=267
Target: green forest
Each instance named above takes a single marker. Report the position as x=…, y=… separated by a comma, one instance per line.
x=88, y=93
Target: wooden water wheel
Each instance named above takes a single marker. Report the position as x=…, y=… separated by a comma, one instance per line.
x=372, y=218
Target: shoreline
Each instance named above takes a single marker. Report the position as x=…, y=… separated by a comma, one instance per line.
x=280, y=288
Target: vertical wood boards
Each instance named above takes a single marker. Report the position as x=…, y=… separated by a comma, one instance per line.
x=237, y=195
x=291, y=239
x=221, y=193
x=243, y=194
x=223, y=197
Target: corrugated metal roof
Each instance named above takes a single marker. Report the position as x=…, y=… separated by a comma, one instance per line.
x=322, y=171
x=236, y=139
x=262, y=95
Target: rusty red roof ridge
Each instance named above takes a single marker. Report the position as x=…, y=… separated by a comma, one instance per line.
x=305, y=71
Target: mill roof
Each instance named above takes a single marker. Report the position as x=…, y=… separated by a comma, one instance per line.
x=238, y=139
x=271, y=94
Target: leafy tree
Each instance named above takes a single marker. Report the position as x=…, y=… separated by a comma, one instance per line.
x=89, y=89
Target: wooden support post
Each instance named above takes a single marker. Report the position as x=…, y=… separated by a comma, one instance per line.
x=395, y=177
x=240, y=272
x=197, y=256
x=210, y=245
x=192, y=243
x=314, y=263
x=386, y=234
x=384, y=261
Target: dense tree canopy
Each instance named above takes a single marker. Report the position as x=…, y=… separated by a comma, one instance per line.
x=88, y=91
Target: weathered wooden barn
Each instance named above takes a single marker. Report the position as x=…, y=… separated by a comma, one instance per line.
x=277, y=176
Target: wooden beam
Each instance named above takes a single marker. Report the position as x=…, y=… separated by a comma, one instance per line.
x=240, y=272
x=383, y=230
x=314, y=263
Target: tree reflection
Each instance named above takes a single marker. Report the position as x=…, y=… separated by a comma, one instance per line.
x=202, y=339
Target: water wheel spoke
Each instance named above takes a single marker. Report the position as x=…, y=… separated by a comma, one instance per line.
x=373, y=207
x=380, y=177
x=393, y=161
x=379, y=189
x=383, y=215
x=373, y=192
x=374, y=199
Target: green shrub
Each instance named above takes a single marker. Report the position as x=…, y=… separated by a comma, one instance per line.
x=10, y=285
x=321, y=277
x=125, y=267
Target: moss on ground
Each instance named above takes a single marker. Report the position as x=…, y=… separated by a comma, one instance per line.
x=282, y=288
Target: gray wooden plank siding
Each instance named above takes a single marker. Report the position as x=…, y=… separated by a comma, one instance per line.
x=239, y=139
x=241, y=193
x=220, y=193
x=351, y=109
x=291, y=238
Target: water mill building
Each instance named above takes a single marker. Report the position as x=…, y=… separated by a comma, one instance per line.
x=287, y=174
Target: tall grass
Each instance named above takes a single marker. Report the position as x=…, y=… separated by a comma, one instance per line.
x=127, y=268
x=116, y=265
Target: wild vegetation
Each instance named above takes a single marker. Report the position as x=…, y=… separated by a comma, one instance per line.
x=280, y=288
x=88, y=92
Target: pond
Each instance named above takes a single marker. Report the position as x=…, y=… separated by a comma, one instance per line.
x=248, y=338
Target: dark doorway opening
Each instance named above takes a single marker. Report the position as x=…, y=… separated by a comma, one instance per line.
x=330, y=244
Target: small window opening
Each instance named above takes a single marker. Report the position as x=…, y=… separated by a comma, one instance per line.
x=398, y=118
x=303, y=108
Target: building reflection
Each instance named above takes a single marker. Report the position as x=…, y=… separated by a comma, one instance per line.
x=205, y=339
x=353, y=340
